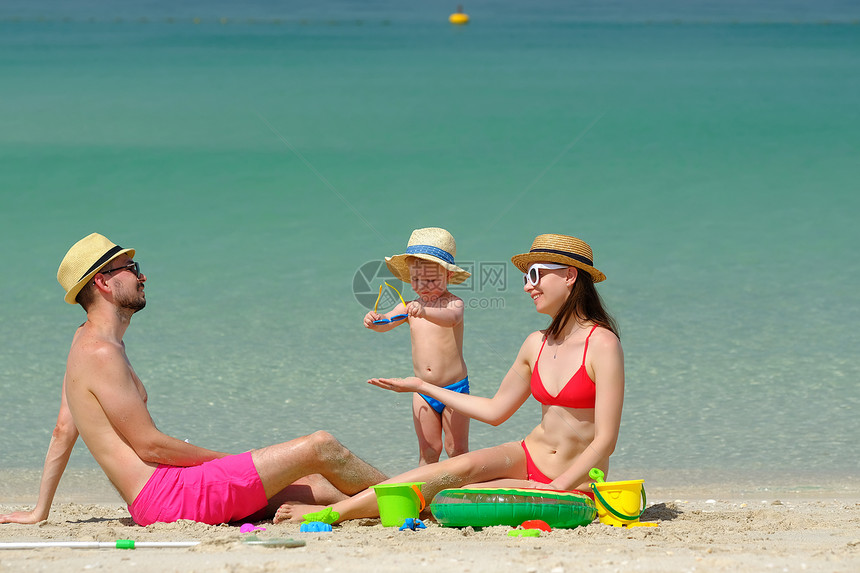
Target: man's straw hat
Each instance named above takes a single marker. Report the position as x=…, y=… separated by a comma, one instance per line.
x=560, y=249
x=431, y=244
x=86, y=258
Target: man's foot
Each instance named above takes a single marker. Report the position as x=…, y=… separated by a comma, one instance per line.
x=295, y=513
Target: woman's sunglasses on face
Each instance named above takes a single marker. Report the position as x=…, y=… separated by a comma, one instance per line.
x=132, y=266
x=532, y=277
x=396, y=317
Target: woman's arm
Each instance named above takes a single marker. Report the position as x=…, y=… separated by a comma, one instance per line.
x=512, y=393
x=608, y=367
x=59, y=450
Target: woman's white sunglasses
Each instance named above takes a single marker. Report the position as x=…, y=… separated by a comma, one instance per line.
x=532, y=277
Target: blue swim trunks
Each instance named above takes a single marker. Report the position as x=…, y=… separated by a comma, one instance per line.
x=462, y=387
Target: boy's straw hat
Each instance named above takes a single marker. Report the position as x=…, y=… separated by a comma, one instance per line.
x=86, y=258
x=560, y=249
x=431, y=244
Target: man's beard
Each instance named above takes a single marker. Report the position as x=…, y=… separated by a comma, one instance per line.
x=136, y=304
x=132, y=301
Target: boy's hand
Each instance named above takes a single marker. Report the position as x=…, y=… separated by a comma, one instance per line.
x=370, y=317
x=416, y=309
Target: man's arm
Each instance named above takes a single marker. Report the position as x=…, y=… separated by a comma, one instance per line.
x=59, y=450
x=111, y=383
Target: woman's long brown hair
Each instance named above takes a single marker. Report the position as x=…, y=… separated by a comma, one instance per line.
x=584, y=305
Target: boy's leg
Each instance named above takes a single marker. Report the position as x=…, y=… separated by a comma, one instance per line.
x=428, y=428
x=319, y=453
x=456, y=428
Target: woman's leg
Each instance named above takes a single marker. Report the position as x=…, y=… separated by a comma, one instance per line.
x=504, y=461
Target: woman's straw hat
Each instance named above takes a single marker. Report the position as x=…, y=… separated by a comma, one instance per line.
x=86, y=257
x=560, y=249
x=431, y=244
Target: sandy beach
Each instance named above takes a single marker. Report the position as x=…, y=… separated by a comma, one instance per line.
x=702, y=529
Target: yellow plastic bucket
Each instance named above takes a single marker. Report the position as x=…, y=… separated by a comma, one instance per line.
x=398, y=502
x=618, y=501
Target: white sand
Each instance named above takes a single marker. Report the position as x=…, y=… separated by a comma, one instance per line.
x=699, y=530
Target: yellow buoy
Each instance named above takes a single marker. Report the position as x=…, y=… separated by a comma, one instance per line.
x=459, y=17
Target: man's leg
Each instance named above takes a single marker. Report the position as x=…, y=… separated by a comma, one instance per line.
x=313, y=490
x=320, y=453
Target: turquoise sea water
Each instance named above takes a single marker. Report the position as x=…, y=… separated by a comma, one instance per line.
x=708, y=152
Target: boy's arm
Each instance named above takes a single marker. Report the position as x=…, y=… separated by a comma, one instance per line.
x=59, y=450
x=449, y=315
x=372, y=316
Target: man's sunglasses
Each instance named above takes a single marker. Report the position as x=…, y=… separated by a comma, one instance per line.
x=133, y=267
x=532, y=277
x=396, y=317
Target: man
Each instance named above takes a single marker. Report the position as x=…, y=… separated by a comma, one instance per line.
x=162, y=478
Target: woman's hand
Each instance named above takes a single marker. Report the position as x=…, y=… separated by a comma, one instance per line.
x=410, y=384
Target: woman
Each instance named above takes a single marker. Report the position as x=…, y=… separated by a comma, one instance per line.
x=574, y=368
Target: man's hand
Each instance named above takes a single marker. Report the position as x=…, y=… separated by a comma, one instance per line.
x=25, y=517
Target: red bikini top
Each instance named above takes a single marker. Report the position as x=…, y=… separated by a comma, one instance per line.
x=579, y=392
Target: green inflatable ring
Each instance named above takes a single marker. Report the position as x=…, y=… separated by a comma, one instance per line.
x=484, y=507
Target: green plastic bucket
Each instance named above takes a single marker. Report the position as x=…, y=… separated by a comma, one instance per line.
x=398, y=502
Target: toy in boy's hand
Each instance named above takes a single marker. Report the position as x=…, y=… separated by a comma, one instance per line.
x=395, y=318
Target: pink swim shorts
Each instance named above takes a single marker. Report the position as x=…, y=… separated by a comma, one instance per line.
x=219, y=491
